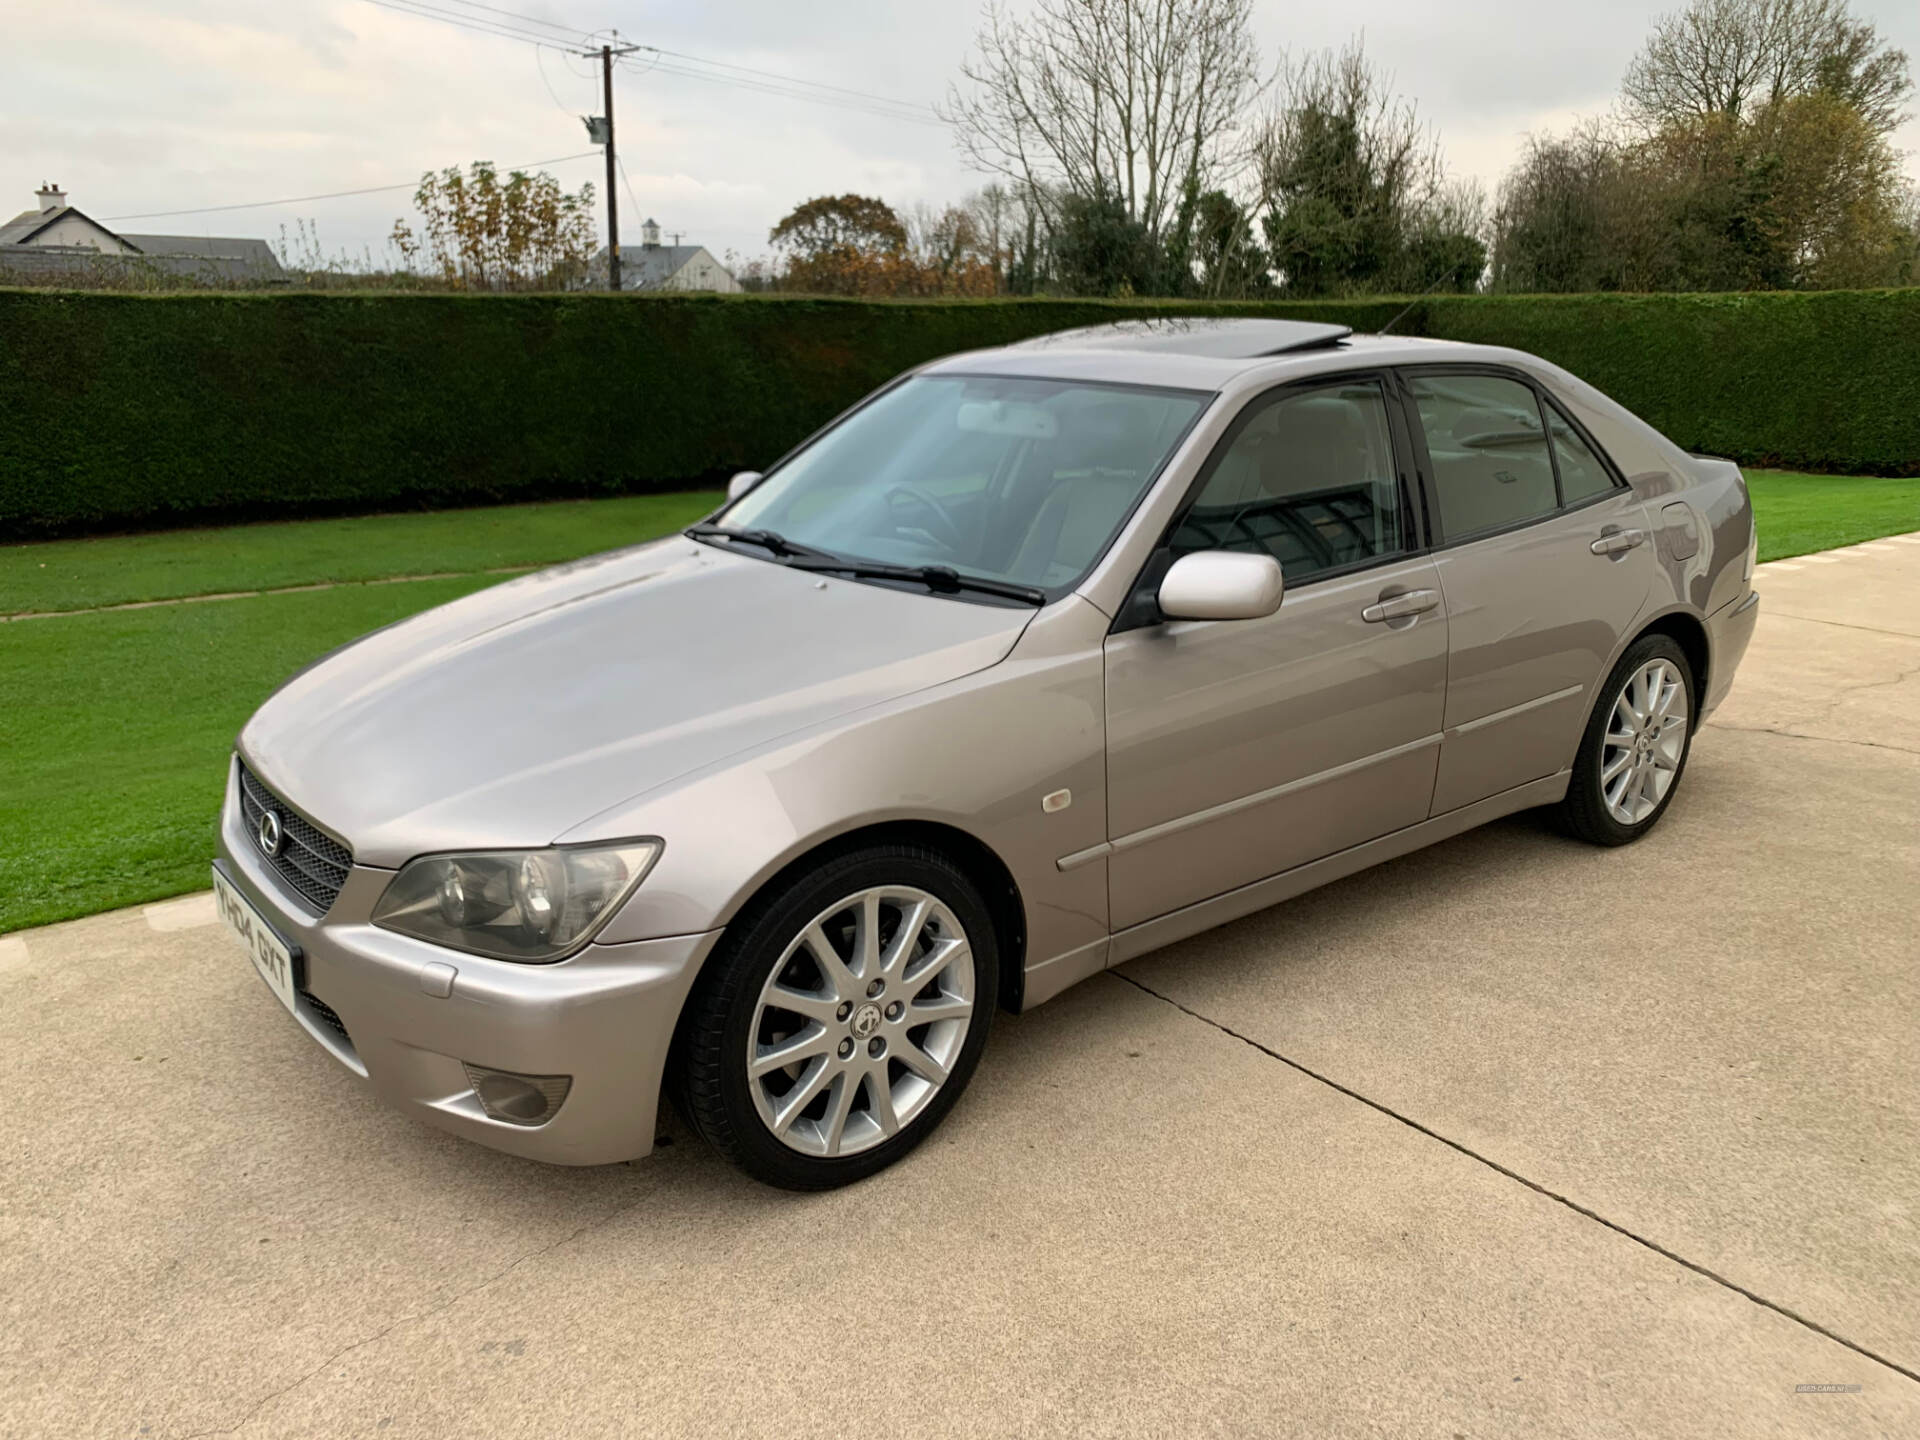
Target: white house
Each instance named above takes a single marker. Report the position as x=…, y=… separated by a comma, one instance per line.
x=653, y=266
x=57, y=237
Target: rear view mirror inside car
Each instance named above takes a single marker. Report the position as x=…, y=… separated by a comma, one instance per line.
x=1007, y=417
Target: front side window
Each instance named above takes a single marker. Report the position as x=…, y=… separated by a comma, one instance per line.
x=1010, y=479
x=1310, y=479
x=1491, y=468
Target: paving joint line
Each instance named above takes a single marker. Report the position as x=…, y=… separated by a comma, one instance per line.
x=1801, y=735
x=1842, y=624
x=1532, y=1185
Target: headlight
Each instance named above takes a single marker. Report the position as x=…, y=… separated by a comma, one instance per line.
x=534, y=905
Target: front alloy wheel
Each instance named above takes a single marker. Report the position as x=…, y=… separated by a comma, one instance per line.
x=861, y=1020
x=841, y=1018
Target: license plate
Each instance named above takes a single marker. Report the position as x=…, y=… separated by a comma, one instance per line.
x=271, y=955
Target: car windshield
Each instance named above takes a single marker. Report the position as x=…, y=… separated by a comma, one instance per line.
x=1016, y=480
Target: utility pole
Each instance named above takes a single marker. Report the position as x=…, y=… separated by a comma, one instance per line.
x=613, y=195
x=600, y=129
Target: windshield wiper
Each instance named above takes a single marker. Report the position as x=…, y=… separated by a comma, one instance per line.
x=942, y=579
x=771, y=540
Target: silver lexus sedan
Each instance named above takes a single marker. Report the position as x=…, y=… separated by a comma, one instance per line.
x=1035, y=660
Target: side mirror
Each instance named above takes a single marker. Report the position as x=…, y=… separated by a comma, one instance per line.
x=1221, y=585
x=741, y=483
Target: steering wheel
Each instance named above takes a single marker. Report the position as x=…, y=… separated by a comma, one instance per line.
x=945, y=529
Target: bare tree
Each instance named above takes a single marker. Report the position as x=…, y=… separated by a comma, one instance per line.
x=1722, y=57
x=994, y=213
x=1134, y=101
x=1583, y=212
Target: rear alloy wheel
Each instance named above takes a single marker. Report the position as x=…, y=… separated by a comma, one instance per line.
x=1635, y=748
x=1644, y=740
x=845, y=1022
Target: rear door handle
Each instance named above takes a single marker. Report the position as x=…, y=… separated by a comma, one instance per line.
x=1618, y=542
x=1398, y=607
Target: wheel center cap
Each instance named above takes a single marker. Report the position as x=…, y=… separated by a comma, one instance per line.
x=865, y=1021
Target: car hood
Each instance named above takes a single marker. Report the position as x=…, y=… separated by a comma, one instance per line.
x=508, y=717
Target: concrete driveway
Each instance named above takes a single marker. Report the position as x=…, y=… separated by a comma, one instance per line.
x=1509, y=1138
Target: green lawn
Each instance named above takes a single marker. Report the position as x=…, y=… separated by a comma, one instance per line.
x=114, y=727
x=1801, y=513
x=115, y=730
x=80, y=574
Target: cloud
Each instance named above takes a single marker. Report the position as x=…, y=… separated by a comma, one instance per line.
x=149, y=105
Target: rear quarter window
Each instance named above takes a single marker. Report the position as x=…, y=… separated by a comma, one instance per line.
x=1582, y=473
x=1488, y=448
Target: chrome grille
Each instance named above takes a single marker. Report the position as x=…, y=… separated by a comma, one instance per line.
x=314, y=865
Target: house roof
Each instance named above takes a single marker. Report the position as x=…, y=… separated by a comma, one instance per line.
x=19, y=227
x=250, y=253
x=29, y=223
x=219, y=256
x=645, y=265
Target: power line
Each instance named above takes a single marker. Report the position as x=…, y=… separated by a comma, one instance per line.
x=540, y=64
x=879, y=107
x=334, y=195
x=510, y=25
x=629, y=184
x=516, y=15
x=787, y=79
x=479, y=24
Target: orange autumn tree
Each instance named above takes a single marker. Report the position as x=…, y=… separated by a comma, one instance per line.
x=857, y=245
x=482, y=232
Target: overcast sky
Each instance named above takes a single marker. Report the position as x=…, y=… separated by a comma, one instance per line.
x=154, y=105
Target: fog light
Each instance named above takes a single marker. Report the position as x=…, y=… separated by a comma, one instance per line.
x=518, y=1099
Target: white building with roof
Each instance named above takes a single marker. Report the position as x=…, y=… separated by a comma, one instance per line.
x=653, y=266
x=57, y=238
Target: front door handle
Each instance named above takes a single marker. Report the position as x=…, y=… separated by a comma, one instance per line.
x=1618, y=542
x=1399, y=607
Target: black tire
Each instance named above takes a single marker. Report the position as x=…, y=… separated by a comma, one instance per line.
x=707, y=1075
x=1584, y=814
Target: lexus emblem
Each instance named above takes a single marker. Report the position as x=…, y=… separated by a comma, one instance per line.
x=272, y=835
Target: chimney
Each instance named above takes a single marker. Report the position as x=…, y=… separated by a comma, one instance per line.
x=650, y=233
x=52, y=197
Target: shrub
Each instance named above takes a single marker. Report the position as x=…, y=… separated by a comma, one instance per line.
x=124, y=411
x=1825, y=380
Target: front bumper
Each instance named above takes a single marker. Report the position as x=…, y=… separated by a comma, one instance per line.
x=605, y=1017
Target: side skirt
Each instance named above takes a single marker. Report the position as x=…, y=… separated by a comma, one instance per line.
x=1165, y=929
x=1050, y=977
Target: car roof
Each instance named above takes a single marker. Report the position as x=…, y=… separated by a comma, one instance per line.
x=1225, y=338
x=1207, y=354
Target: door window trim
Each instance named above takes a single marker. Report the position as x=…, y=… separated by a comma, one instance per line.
x=1543, y=398
x=1141, y=608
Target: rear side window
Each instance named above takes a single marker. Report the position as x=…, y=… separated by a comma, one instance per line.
x=1582, y=475
x=1308, y=478
x=1491, y=467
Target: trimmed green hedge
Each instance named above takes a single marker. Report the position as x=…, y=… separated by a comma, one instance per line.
x=1810, y=380
x=120, y=411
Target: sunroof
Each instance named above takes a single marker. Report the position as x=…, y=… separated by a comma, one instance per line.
x=1223, y=339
